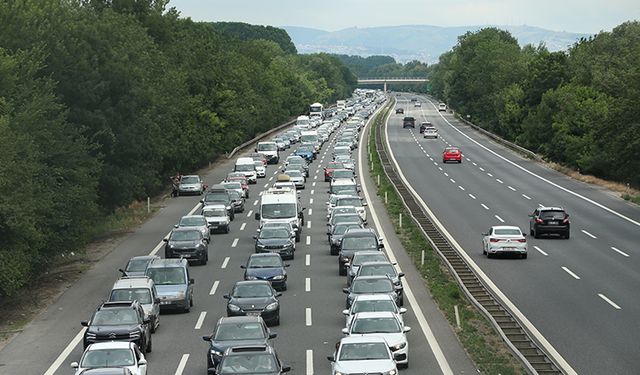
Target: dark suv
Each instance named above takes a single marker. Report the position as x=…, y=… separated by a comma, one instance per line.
x=255, y=359
x=356, y=239
x=409, y=122
x=549, y=220
x=119, y=321
x=187, y=243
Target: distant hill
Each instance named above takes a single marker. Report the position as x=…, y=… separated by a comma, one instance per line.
x=413, y=42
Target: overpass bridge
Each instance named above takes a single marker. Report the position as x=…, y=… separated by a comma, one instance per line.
x=385, y=80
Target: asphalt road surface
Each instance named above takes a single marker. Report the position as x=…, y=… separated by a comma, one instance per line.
x=581, y=293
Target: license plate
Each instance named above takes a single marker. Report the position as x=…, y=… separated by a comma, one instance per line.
x=553, y=223
x=508, y=248
x=186, y=255
x=253, y=314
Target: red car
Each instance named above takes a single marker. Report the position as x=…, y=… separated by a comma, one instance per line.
x=452, y=154
x=328, y=170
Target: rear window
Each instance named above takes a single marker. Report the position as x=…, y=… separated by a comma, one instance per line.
x=507, y=232
x=552, y=214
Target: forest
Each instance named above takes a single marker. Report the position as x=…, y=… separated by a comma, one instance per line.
x=577, y=107
x=102, y=100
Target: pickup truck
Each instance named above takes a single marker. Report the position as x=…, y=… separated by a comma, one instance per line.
x=409, y=121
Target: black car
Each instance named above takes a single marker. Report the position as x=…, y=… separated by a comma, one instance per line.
x=218, y=194
x=254, y=298
x=256, y=359
x=267, y=267
x=371, y=285
x=336, y=232
x=275, y=240
x=187, y=243
x=399, y=111
x=119, y=321
x=237, y=201
x=384, y=268
x=549, y=220
x=236, y=331
x=356, y=240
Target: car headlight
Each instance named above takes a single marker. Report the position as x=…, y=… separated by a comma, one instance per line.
x=400, y=346
x=260, y=246
x=233, y=307
x=288, y=245
x=180, y=295
x=91, y=335
x=134, y=335
x=392, y=372
x=250, y=278
x=278, y=277
x=216, y=353
x=272, y=306
x=344, y=259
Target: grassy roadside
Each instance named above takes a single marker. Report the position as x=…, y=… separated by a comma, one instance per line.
x=483, y=344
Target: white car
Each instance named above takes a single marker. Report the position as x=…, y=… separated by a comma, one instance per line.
x=362, y=355
x=261, y=170
x=504, y=239
x=430, y=132
x=373, y=303
x=417, y=104
x=296, y=177
x=442, y=107
x=112, y=354
x=386, y=325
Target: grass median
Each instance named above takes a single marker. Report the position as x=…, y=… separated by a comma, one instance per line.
x=484, y=345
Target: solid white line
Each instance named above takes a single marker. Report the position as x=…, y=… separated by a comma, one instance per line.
x=308, y=224
x=242, y=226
x=214, y=287
x=461, y=188
x=225, y=262
x=307, y=260
x=308, y=240
x=307, y=284
x=499, y=180
x=310, y=211
x=307, y=316
x=201, y=320
x=309, y=362
x=235, y=242
x=615, y=306
x=182, y=364
x=588, y=234
x=65, y=353
x=310, y=200
x=499, y=218
x=511, y=188
x=619, y=251
x=472, y=196
x=484, y=205
x=526, y=196
x=541, y=251
x=249, y=213
x=570, y=273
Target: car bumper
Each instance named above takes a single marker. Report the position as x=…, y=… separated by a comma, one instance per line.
x=559, y=229
x=189, y=192
x=402, y=354
x=268, y=316
x=506, y=250
x=187, y=254
x=284, y=253
x=171, y=304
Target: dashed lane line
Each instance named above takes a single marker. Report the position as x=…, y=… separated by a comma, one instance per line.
x=571, y=273
x=307, y=260
x=225, y=262
x=200, y=320
x=619, y=251
x=307, y=317
x=484, y=206
x=182, y=364
x=588, y=234
x=242, y=226
x=308, y=240
x=541, y=251
x=307, y=284
x=214, y=287
x=499, y=218
x=610, y=302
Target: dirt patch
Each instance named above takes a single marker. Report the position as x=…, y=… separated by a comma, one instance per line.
x=619, y=188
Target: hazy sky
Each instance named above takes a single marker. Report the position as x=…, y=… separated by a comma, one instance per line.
x=585, y=16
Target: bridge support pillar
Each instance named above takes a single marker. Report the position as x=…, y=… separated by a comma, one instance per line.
x=385, y=86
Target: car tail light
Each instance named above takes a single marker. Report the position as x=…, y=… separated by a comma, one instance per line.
x=522, y=240
x=539, y=221
x=565, y=221
x=493, y=240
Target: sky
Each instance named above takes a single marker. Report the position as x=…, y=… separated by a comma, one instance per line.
x=581, y=16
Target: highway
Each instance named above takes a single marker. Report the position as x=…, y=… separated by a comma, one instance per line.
x=582, y=293
x=311, y=317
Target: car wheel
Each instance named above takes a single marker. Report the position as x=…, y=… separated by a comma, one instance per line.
x=205, y=259
x=524, y=256
x=401, y=300
x=403, y=365
x=297, y=238
x=489, y=255
x=443, y=161
x=342, y=271
x=567, y=235
x=153, y=325
x=149, y=345
x=277, y=321
x=530, y=232
x=536, y=234
x=227, y=229
x=284, y=287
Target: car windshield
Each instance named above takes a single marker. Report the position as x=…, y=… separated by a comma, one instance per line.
x=293, y=173
x=235, y=195
x=356, y=202
x=278, y=210
x=359, y=259
x=334, y=166
x=359, y=243
x=552, y=215
x=248, y=364
x=167, y=276
x=344, y=210
x=268, y=233
x=452, y=150
x=507, y=232
x=142, y=295
x=296, y=160
x=115, y=317
x=375, y=325
x=192, y=222
x=267, y=147
x=345, y=218
x=377, y=270
x=305, y=149
x=341, y=228
x=107, y=358
x=344, y=189
x=372, y=286
x=189, y=180
x=185, y=235
x=343, y=173
x=258, y=164
x=233, y=185
x=363, y=351
x=245, y=167
x=265, y=262
x=137, y=265
x=218, y=212
x=373, y=306
x=217, y=197
x=239, y=331
x=252, y=291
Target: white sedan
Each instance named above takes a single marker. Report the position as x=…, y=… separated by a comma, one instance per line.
x=504, y=239
x=112, y=354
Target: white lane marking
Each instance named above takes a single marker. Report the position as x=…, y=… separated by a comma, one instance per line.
x=250, y=213
x=310, y=211
x=540, y=205
x=619, y=251
x=315, y=177
x=452, y=180
x=499, y=180
x=472, y=196
x=526, y=196
x=307, y=316
x=511, y=188
x=310, y=200
x=65, y=353
x=312, y=191
x=474, y=163
x=461, y=188
x=307, y=284
x=265, y=185
x=309, y=362
x=615, y=306
x=484, y=206
x=275, y=172
x=446, y=174
x=308, y=240
x=255, y=203
x=313, y=184
x=307, y=260
x=225, y=262
x=499, y=218
x=588, y=234
x=440, y=168
x=271, y=178
x=570, y=273
x=317, y=171
x=489, y=174
x=308, y=224
x=200, y=320
x=242, y=226
x=541, y=251
x=482, y=169
x=235, y=242
x=214, y=287
x=182, y=364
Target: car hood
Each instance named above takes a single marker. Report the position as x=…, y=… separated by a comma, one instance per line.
x=257, y=302
x=366, y=366
x=115, y=329
x=170, y=290
x=274, y=241
x=264, y=273
x=392, y=339
x=222, y=345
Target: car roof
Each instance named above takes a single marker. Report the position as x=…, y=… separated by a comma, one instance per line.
x=375, y=314
x=133, y=282
x=360, y=232
x=167, y=263
x=373, y=297
x=505, y=227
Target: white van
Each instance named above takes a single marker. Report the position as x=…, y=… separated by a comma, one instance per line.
x=247, y=166
x=281, y=205
x=269, y=150
x=303, y=121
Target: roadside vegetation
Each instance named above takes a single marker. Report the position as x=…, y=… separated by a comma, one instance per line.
x=483, y=344
x=102, y=100
x=577, y=108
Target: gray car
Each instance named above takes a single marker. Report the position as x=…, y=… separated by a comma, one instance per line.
x=370, y=285
x=187, y=243
x=173, y=283
x=198, y=222
x=190, y=185
x=335, y=235
x=362, y=355
x=360, y=257
x=384, y=269
x=217, y=217
x=296, y=177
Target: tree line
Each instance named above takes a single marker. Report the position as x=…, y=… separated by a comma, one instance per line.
x=576, y=107
x=101, y=100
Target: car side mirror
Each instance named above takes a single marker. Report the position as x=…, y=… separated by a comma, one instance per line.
x=142, y=362
x=157, y=300
x=257, y=215
x=401, y=274
x=255, y=237
x=192, y=281
x=75, y=365
x=287, y=265
x=147, y=320
x=243, y=266
x=485, y=233
x=226, y=296
x=165, y=240
x=406, y=329
x=381, y=245
x=286, y=369
x=345, y=290
x=273, y=335
x=202, y=201
x=84, y=323
x=345, y=312
x=211, y=371
x=278, y=294
x=524, y=234
x=345, y=331
x=365, y=204
x=176, y=226
x=331, y=358
x=402, y=310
